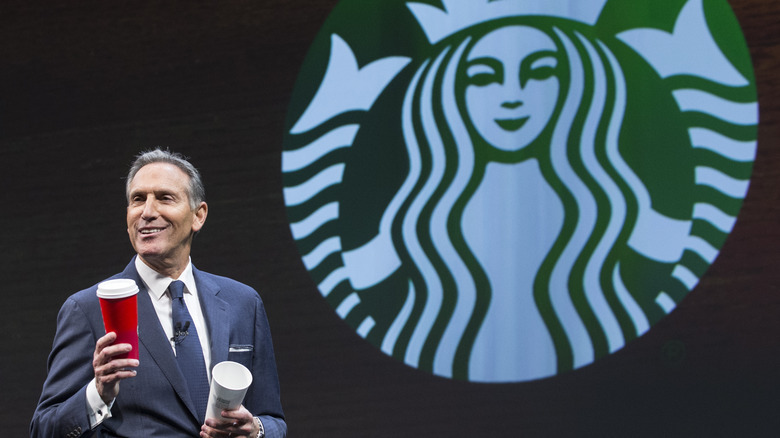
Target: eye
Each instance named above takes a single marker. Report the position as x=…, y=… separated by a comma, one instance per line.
x=539, y=66
x=544, y=66
x=484, y=71
x=165, y=196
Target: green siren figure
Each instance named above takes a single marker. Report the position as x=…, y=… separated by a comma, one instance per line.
x=561, y=187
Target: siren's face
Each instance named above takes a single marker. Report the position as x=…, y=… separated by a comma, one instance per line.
x=511, y=89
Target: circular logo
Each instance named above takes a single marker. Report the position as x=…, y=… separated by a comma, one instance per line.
x=505, y=190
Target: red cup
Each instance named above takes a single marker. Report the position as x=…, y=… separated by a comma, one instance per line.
x=119, y=305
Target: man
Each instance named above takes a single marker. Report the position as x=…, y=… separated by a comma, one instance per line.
x=90, y=391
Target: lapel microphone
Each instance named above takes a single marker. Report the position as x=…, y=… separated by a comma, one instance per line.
x=179, y=332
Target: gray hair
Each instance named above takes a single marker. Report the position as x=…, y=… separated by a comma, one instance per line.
x=195, y=191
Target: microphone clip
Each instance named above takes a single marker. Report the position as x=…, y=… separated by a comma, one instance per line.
x=179, y=332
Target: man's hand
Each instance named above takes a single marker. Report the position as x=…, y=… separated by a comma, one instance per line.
x=239, y=424
x=109, y=371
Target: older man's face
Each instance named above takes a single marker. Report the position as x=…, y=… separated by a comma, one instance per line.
x=160, y=221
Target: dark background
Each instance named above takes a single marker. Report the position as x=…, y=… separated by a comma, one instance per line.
x=84, y=86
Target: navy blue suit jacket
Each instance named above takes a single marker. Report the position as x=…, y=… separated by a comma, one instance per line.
x=154, y=403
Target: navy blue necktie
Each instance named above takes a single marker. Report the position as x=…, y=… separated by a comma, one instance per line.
x=188, y=351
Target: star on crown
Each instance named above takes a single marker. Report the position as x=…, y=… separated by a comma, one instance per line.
x=461, y=14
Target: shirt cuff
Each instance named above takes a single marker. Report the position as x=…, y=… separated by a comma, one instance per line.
x=97, y=410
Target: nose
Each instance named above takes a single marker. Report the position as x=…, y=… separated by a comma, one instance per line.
x=150, y=209
x=513, y=90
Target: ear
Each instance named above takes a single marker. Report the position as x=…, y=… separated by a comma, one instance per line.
x=200, y=217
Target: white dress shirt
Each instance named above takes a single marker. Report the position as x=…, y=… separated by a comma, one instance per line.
x=157, y=285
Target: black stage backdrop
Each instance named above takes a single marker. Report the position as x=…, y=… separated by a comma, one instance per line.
x=84, y=86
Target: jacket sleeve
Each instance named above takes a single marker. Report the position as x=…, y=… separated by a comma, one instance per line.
x=62, y=408
x=265, y=396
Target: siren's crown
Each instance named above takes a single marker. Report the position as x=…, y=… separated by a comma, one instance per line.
x=461, y=14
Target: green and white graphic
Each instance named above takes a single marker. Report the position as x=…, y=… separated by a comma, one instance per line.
x=505, y=190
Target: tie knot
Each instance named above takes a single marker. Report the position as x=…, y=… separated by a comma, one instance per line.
x=177, y=289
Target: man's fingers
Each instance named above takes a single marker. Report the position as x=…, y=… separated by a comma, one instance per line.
x=241, y=414
x=116, y=349
x=116, y=370
x=119, y=365
x=112, y=376
x=105, y=341
x=108, y=369
x=215, y=428
x=105, y=350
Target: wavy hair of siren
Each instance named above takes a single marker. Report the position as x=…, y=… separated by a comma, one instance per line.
x=438, y=255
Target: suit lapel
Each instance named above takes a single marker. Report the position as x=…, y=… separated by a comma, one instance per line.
x=215, y=311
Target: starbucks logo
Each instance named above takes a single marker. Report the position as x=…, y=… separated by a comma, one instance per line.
x=506, y=190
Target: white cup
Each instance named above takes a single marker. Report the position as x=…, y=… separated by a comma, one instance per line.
x=229, y=383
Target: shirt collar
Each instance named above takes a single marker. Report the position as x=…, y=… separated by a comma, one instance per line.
x=157, y=283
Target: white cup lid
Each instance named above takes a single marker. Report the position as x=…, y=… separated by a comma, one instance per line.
x=118, y=288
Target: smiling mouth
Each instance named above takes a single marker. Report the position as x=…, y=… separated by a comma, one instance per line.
x=148, y=231
x=511, y=124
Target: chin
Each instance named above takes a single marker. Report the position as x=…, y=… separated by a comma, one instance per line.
x=147, y=253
